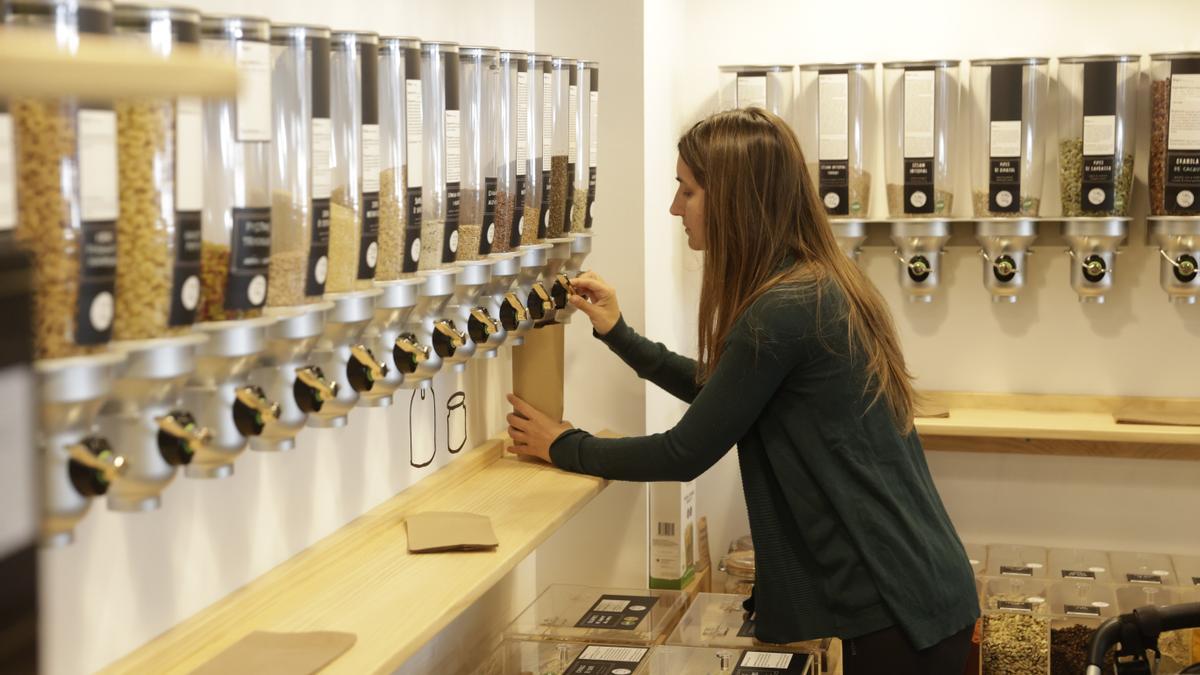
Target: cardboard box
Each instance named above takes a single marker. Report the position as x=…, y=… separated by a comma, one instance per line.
x=672, y=535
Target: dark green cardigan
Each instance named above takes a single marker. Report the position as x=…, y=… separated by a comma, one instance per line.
x=850, y=533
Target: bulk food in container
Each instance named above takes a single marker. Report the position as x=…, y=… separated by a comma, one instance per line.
x=1135, y=567
x=236, y=214
x=1009, y=98
x=518, y=657
x=509, y=204
x=579, y=146
x=767, y=87
x=1071, y=563
x=607, y=615
x=837, y=134
x=1078, y=607
x=1175, y=646
x=1015, y=633
x=921, y=109
x=739, y=568
x=1097, y=115
x=561, y=143
x=300, y=164
x=354, y=200
x=478, y=80
x=65, y=158
x=527, y=150
x=541, y=146
x=161, y=185
x=442, y=171
x=1016, y=560
x=1174, y=174
x=721, y=620
x=399, y=244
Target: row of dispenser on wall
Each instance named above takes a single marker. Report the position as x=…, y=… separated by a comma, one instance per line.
x=1008, y=106
x=211, y=275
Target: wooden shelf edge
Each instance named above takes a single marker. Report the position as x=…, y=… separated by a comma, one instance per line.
x=361, y=578
x=1066, y=448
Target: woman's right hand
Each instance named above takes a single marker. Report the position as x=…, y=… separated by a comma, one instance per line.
x=592, y=296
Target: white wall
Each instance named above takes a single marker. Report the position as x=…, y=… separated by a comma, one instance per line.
x=1135, y=344
x=129, y=577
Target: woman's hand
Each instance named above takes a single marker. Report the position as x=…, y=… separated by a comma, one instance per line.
x=592, y=296
x=532, y=430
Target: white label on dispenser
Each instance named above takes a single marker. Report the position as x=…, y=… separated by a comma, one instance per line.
x=622, y=654
x=752, y=91
x=1184, y=131
x=322, y=149
x=98, y=164
x=370, y=155
x=453, y=151
x=1006, y=139
x=522, y=122
x=833, y=116
x=1100, y=135
x=413, y=132
x=918, y=114
x=189, y=163
x=768, y=660
x=8, y=197
x=547, y=116
x=254, y=91
x=572, y=127
x=594, y=125
x=17, y=499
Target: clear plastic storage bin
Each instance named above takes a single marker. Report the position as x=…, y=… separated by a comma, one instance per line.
x=1079, y=607
x=236, y=218
x=300, y=151
x=1176, y=646
x=570, y=658
x=479, y=79
x=1187, y=570
x=66, y=189
x=1004, y=560
x=921, y=109
x=1097, y=123
x=541, y=148
x=593, y=139
x=1009, y=98
x=1174, y=176
x=837, y=133
x=442, y=172
x=1015, y=634
x=509, y=204
x=719, y=620
x=161, y=185
x=399, y=245
x=1074, y=563
x=1143, y=568
x=977, y=556
x=578, y=150
x=558, y=205
x=768, y=87
x=586, y=614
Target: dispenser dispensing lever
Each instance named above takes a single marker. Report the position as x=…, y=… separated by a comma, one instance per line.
x=314, y=379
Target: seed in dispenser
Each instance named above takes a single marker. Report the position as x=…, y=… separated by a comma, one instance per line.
x=289, y=266
x=505, y=205
x=393, y=218
x=1070, y=180
x=1015, y=644
x=468, y=241
x=432, y=238
x=943, y=202
x=981, y=200
x=558, y=196
x=343, y=248
x=579, y=205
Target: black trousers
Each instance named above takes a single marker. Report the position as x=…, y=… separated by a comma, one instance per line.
x=888, y=652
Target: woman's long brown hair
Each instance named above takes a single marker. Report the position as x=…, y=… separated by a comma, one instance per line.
x=761, y=212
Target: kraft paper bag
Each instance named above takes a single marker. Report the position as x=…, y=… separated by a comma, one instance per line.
x=933, y=411
x=1135, y=414
x=264, y=653
x=434, y=532
x=538, y=370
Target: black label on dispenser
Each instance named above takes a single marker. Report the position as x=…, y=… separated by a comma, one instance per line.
x=747, y=629
x=450, y=233
x=544, y=223
x=1097, y=182
x=607, y=660
x=1144, y=579
x=250, y=253
x=1182, y=184
x=834, y=182
x=1014, y=606
x=1015, y=571
x=487, y=236
x=185, y=281
x=412, y=231
x=368, y=248
x=320, y=47
x=318, y=250
x=772, y=663
x=518, y=217
x=918, y=186
x=591, y=199
x=97, y=282
x=1081, y=610
x=1004, y=176
x=617, y=612
x=1079, y=574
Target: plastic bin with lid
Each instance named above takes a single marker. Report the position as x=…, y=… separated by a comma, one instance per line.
x=1004, y=560
x=1077, y=563
x=1175, y=646
x=739, y=569
x=1187, y=570
x=608, y=615
x=1015, y=633
x=518, y=657
x=1009, y=101
x=837, y=132
x=1078, y=606
x=921, y=112
x=1135, y=567
x=720, y=620
x=768, y=87
x=1173, y=122
x=977, y=556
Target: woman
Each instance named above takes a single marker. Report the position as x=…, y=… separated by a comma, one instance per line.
x=800, y=367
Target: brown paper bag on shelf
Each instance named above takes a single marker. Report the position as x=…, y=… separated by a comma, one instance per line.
x=264, y=653
x=1134, y=413
x=538, y=370
x=927, y=411
x=437, y=532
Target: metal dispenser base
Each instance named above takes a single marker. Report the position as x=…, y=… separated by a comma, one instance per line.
x=71, y=392
x=290, y=342
x=1178, y=241
x=555, y=280
x=392, y=310
x=850, y=235
x=142, y=413
x=1005, y=245
x=502, y=304
x=919, y=245
x=342, y=356
x=219, y=396
x=530, y=291
x=1093, y=247
x=432, y=326
x=581, y=247
x=470, y=317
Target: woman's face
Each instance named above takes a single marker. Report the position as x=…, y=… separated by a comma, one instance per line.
x=689, y=205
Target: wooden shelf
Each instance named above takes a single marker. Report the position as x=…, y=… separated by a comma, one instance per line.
x=31, y=64
x=1056, y=425
x=362, y=580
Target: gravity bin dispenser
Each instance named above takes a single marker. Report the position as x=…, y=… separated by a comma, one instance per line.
x=1174, y=223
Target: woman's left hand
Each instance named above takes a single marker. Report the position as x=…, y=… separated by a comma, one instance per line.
x=532, y=430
